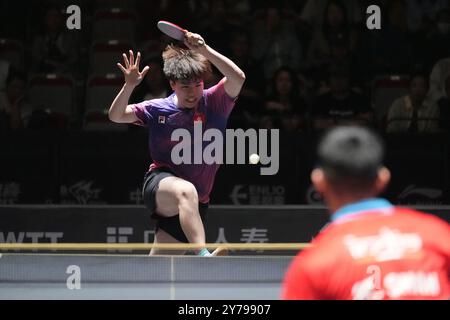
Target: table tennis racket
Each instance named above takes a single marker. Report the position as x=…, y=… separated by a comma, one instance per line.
x=174, y=31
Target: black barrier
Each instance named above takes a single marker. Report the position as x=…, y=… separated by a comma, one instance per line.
x=419, y=167
x=102, y=168
x=243, y=184
x=108, y=168
x=28, y=168
x=126, y=224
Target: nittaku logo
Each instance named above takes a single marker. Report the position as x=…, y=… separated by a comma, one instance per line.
x=189, y=150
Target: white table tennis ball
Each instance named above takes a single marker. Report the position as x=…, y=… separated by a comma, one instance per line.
x=254, y=158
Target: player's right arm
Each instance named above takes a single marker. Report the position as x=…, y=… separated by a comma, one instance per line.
x=120, y=111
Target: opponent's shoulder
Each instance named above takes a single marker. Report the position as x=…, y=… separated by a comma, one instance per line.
x=420, y=216
x=429, y=226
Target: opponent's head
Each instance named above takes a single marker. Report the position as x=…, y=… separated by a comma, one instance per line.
x=185, y=70
x=350, y=165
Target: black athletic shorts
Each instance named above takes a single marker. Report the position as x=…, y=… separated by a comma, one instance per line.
x=170, y=225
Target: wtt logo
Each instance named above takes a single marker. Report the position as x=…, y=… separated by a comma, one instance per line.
x=33, y=237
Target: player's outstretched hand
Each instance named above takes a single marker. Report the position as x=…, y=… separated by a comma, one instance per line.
x=131, y=69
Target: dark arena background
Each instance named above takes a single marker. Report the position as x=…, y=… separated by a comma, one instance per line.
x=70, y=175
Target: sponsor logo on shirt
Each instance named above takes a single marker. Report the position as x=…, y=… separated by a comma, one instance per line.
x=162, y=119
x=398, y=284
x=387, y=245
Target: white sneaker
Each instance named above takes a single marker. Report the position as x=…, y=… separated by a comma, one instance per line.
x=220, y=251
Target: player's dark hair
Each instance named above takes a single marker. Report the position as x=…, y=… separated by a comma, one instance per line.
x=351, y=157
x=184, y=64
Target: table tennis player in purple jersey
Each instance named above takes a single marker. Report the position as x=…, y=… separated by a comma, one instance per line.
x=178, y=194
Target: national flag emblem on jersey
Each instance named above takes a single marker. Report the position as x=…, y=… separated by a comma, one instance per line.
x=199, y=117
x=162, y=119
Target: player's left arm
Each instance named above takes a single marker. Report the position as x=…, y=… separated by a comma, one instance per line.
x=235, y=77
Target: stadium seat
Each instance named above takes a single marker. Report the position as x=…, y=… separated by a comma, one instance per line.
x=114, y=23
x=101, y=91
x=54, y=93
x=105, y=55
x=385, y=89
x=108, y=4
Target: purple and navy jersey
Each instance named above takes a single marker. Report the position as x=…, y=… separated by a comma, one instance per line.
x=162, y=117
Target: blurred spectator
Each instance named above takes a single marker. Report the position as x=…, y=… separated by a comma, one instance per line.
x=341, y=52
x=334, y=39
x=284, y=104
x=341, y=105
x=55, y=49
x=216, y=28
x=422, y=13
x=153, y=48
x=390, y=50
x=409, y=114
x=249, y=104
x=183, y=13
x=444, y=107
x=4, y=71
x=438, y=41
x=15, y=111
x=154, y=86
x=275, y=43
x=438, y=75
x=239, y=12
x=148, y=13
x=313, y=11
x=10, y=13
